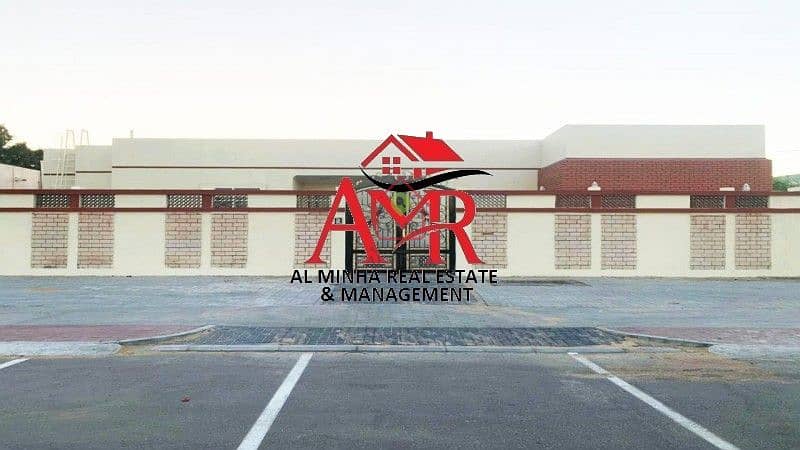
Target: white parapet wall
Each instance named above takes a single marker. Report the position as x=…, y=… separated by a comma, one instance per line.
x=13, y=177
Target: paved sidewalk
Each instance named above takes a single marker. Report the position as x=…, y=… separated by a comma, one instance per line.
x=86, y=333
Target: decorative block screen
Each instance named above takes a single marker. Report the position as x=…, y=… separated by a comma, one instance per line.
x=49, y=239
x=490, y=238
x=752, y=201
x=490, y=200
x=229, y=201
x=97, y=200
x=573, y=201
x=753, y=241
x=707, y=242
x=618, y=201
x=307, y=226
x=52, y=201
x=618, y=241
x=313, y=201
x=184, y=201
x=573, y=241
x=707, y=201
x=183, y=239
x=96, y=240
x=229, y=232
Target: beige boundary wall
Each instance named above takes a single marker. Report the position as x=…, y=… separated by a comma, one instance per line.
x=530, y=236
x=662, y=247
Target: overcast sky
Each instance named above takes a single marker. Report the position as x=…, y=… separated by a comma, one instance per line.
x=344, y=69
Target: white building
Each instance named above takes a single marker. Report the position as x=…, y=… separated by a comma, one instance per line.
x=13, y=177
x=664, y=201
x=727, y=156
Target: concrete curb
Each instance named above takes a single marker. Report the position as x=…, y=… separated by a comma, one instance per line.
x=660, y=339
x=60, y=348
x=385, y=348
x=162, y=337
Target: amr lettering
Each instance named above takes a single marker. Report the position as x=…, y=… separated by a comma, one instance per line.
x=379, y=200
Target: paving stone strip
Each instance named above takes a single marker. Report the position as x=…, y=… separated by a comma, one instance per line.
x=534, y=336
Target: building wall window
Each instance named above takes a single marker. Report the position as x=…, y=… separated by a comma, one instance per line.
x=390, y=165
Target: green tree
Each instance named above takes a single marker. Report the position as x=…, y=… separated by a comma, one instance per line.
x=18, y=154
x=780, y=185
x=784, y=182
x=5, y=136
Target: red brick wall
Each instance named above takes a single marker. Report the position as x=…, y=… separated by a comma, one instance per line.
x=657, y=174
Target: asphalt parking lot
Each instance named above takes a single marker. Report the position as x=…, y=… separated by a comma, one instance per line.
x=396, y=400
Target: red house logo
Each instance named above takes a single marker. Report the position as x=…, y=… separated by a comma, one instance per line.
x=411, y=163
x=417, y=156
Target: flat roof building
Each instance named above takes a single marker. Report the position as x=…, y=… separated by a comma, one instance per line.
x=587, y=200
x=617, y=157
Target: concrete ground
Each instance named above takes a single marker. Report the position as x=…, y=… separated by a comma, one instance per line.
x=270, y=301
x=744, y=393
x=341, y=400
x=748, y=316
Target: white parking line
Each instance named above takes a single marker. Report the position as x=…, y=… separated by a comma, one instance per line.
x=259, y=429
x=12, y=362
x=681, y=420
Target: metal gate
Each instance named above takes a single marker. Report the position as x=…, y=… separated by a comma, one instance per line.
x=411, y=255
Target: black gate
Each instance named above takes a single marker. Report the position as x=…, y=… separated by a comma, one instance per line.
x=411, y=255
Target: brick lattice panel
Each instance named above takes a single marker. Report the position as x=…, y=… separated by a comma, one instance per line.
x=573, y=201
x=229, y=240
x=707, y=246
x=573, y=241
x=490, y=239
x=97, y=201
x=307, y=228
x=618, y=201
x=184, y=201
x=753, y=238
x=618, y=243
x=49, y=238
x=52, y=201
x=490, y=200
x=183, y=240
x=96, y=240
x=751, y=201
x=706, y=201
x=313, y=201
x=229, y=201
